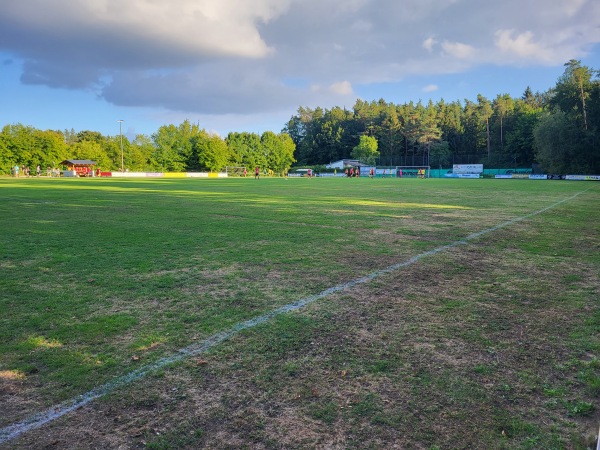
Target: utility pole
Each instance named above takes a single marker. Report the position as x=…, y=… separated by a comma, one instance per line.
x=121, y=136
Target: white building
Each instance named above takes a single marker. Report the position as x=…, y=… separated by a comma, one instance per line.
x=343, y=163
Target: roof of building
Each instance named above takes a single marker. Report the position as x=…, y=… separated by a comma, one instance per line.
x=79, y=162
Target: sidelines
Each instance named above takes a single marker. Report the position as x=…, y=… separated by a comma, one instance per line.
x=37, y=420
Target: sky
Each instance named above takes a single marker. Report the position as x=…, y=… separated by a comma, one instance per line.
x=248, y=65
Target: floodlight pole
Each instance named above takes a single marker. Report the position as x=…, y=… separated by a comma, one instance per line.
x=121, y=136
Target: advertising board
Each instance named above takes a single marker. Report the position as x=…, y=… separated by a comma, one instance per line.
x=467, y=168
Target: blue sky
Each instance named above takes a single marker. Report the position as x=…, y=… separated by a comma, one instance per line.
x=247, y=65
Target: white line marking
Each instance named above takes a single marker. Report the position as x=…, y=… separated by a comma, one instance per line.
x=37, y=420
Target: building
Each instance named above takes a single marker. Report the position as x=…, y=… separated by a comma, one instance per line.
x=78, y=167
x=343, y=163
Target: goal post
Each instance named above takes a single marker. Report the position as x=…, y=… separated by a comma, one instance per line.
x=236, y=171
x=413, y=172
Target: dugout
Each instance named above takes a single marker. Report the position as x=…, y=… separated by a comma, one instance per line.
x=78, y=167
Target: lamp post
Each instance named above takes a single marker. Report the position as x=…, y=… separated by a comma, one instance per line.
x=121, y=137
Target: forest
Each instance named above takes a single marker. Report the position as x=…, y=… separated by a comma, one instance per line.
x=181, y=148
x=559, y=130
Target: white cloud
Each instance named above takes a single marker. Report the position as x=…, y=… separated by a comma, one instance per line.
x=429, y=43
x=430, y=88
x=522, y=45
x=188, y=28
x=341, y=88
x=337, y=89
x=458, y=50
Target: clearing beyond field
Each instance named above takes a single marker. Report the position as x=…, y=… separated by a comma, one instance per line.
x=299, y=313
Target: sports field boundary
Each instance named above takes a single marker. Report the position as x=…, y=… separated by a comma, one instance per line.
x=37, y=420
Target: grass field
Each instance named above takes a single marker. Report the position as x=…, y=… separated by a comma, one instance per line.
x=493, y=342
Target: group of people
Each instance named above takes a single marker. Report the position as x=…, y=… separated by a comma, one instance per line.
x=16, y=170
x=352, y=173
x=25, y=171
x=265, y=173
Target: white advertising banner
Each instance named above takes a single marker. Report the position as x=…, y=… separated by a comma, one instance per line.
x=197, y=174
x=583, y=177
x=462, y=175
x=467, y=168
x=128, y=174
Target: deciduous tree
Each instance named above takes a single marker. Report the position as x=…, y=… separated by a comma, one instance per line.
x=366, y=150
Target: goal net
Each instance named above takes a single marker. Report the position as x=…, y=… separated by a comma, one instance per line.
x=413, y=171
x=236, y=171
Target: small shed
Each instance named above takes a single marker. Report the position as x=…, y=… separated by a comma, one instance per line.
x=78, y=167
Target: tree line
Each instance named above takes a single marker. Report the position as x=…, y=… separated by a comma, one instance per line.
x=182, y=148
x=558, y=129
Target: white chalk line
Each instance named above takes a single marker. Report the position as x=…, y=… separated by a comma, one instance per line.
x=37, y=420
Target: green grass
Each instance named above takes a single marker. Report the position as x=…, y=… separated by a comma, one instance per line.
x=492, y=344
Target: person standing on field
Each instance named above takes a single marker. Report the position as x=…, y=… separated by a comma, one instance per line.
x=257, y=173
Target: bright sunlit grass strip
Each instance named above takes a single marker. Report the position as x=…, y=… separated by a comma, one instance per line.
x=12, y=375
x=42, y=342
x=402, y=205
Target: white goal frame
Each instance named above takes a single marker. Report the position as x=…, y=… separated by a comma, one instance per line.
x=235, y=171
